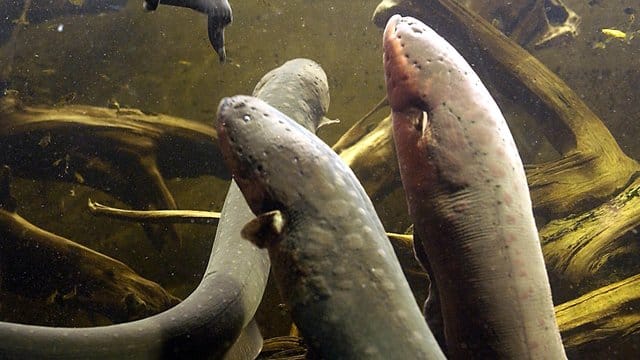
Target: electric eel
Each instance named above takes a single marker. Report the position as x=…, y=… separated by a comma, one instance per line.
x=300, y=89
x=329, y=254
x=219, y=15
x=206, y=324
x=469, y=201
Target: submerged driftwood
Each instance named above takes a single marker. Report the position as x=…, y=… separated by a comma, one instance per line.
x=156, y=216
x=592, y=249
x=607, y=315
x=37, y=264
x=592, y=167
x=373, y=159
x=88, y=145
x=215, y=321
x=124, y=152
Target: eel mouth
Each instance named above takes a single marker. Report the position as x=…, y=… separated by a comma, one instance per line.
x=242, y=166
x=405, y=92
x=401, y=72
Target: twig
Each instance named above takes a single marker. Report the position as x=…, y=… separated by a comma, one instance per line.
x=155, y=216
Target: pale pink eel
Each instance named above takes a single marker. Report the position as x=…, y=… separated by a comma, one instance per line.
x=469, y=201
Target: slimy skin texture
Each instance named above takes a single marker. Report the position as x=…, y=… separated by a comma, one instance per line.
x=331, y=259
x=469, y=201
x=299, y=89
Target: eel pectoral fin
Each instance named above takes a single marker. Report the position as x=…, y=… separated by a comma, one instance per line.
x=432, y=309
x=265, y=230
x=326, y=121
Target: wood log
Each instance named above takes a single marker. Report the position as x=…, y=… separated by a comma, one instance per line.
x=125, y=152
x=586, y=251
x=95, y=135
x=373, y=159
x=37, y=264
x=603, y=321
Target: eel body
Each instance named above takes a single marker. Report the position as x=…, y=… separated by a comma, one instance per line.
x=299, y=89
x=205, y=324
x=220, y=310
x=330, y=256
x=468, y=198
x=219, y=15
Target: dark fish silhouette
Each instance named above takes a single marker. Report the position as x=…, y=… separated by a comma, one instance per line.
x=218, y=12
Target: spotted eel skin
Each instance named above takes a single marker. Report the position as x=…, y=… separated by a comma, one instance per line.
x=330, y=256
x=207, y=323
x=469, y=201
x=219, y=15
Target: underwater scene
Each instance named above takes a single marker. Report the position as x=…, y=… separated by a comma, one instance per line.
x=295, y=179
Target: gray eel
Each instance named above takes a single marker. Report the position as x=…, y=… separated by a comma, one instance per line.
x=207, y=323
x=219, y=15
x=330, y=256
x=469, y=201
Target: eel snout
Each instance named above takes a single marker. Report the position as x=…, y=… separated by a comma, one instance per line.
x=398, y=75
x=414, y=64
x=238, y=126
x=405, y=75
